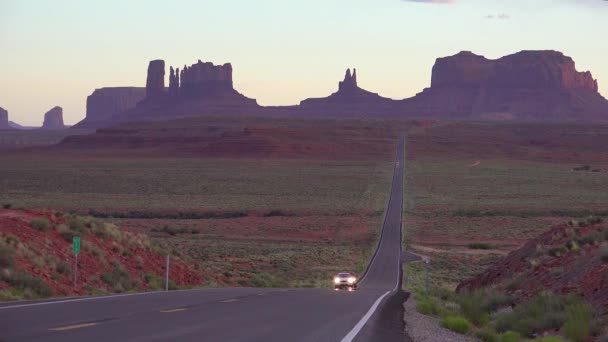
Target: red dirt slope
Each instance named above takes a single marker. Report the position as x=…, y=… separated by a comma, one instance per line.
x=46, y=254
x=570, y=258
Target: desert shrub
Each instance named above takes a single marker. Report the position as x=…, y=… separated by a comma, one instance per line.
x=480, y=245
x=41, y=224
x=427, y=306
x=265, y=280
x=487, y=335
x=514, y=284
x=63, y=268
x=549, y=339
x=573, y=246
x=30, y=286
x=509, y=336
x=456, y=323
x=590, y=239
x=579, y=317
x=604, y=254
x=7, y=205
x=544, y=312
x=472, y=307
x=557, y=251
x=273, y=213
x=118, y=280
x=154, y=282
x=67, y=233
x=7, y=255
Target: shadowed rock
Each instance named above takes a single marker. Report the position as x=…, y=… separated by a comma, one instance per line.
x=53, y=119
x=155, y=82
x=528, y=85
x=4, y=119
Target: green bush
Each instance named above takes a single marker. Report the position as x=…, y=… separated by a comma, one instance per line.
x=541, y=313
x=7, y=205
x=487, y=335
x=472, y=307
x=557, y=251
x=63, y=268
x=579, y=317
x=67, y=233
x=118, y=280
x=606, y=233
x=427, y=306
x=7, y=255
x=456, y=323
x=154, y=282
x=549, y=339
x=590, y=239
x=30, y=287
x=265, y=280
x=509, y=336
x=41, y=224
x=480, y=245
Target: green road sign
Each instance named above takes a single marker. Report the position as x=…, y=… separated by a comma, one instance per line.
x=76, y=244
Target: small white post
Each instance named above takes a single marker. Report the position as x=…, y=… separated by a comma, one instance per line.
x=167, y=275
x=426, y=268
x=75, y=270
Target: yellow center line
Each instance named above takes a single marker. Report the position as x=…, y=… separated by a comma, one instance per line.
x=75, y=326
x=230, y=300
x=173, y=310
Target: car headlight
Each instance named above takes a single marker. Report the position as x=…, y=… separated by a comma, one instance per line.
x=337, y=280
x=352, y=280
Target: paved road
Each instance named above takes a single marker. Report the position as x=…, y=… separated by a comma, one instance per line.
x=238, y=314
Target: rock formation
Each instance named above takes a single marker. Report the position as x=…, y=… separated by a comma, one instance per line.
x=4, y=119
x=349, y=100
x=53, y=119
x=155, y=82
x=204, y=79
x=104, y=103
x=528, y=85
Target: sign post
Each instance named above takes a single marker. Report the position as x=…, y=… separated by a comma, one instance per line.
x=426, y=269
x=76, y=248
x=167, y=274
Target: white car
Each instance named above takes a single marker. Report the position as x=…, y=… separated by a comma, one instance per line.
x=345, y=280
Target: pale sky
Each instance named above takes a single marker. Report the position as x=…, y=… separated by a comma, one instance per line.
x=57, y=52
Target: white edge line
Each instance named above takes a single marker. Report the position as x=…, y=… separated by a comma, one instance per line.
x=353, y=333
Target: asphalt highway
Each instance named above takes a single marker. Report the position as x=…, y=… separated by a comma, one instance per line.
x=229, y=314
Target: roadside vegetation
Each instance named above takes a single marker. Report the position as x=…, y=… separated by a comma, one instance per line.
x=36, y=259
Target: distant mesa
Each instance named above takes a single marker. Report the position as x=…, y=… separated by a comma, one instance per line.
x=104, y=103
x=528, y=85
x=4, y=119
x=53, y=119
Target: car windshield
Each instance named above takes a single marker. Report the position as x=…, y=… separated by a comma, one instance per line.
x=344, y=275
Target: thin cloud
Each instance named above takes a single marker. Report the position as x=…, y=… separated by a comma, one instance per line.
x=499, y=16
x=432, y=1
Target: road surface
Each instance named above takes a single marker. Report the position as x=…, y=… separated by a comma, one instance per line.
x=231, y=314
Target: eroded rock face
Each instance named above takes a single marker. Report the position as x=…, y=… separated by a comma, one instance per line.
x=104, y=103
x=155, y=82
x=4, y=119
x=203, y=79
x=528, y=85
x=53, y=119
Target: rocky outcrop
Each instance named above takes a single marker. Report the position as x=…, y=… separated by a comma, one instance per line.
x=155, y=82
x=105, y=103
x=349, y=100
x=53, y=119
x=4, y=119
x=204, y=79
x=528, y=85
